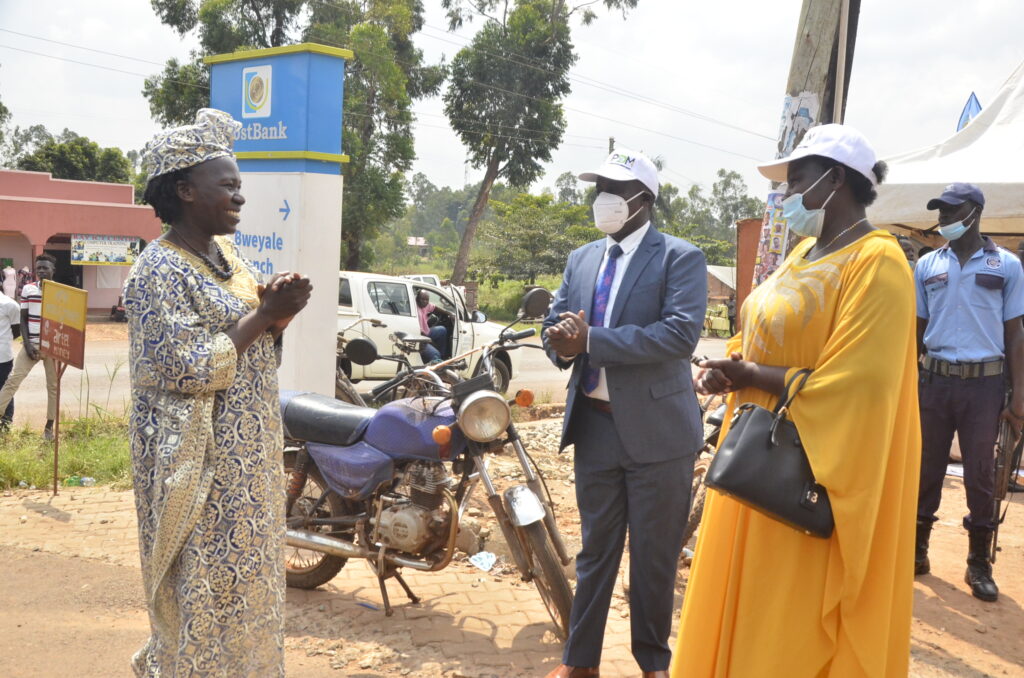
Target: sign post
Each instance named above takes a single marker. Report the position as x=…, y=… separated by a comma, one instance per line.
x=62, y=338
x=289, y=101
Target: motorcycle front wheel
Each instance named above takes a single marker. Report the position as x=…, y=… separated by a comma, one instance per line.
x=345, y=390
x=549, y=576
x=306, y=569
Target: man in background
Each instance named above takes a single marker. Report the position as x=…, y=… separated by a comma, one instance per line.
x=31, y=309
x=10, y=329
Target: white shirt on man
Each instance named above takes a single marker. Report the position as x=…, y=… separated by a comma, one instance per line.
x=10, y=315
x=629, y=244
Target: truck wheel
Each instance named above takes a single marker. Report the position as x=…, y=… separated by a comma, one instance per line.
x=500, y=374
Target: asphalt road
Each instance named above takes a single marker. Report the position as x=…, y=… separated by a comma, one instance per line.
x=103, y=385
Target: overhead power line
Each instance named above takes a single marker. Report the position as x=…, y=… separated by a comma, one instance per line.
x=325, y=41
x=608, y=87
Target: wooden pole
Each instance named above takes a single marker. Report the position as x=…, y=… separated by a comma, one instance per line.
x=839, y=95
x=815, y=95
x=60, y=367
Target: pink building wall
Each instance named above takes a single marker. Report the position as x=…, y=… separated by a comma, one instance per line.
x=35, y=207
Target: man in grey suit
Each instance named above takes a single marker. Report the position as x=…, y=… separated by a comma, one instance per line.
x=626, y=320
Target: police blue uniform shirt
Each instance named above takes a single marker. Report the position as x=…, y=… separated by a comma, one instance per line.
x=966, y=307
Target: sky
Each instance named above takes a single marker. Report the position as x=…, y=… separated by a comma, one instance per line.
x=725, y=63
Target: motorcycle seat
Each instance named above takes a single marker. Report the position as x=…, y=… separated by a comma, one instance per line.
x=318, y=418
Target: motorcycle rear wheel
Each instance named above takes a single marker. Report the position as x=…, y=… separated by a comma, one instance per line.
x=306, y=569
x=698, y=493
x=549, y=576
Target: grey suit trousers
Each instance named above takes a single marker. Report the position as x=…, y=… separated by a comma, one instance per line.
x=616, y=495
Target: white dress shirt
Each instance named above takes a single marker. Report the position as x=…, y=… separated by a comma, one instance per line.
x=628, y=245
x=10, y=314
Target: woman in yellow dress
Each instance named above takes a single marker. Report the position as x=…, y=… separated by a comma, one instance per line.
x=764, y=599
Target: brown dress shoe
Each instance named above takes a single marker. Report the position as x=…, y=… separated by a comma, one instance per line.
x=563, y=671
x=655, y=674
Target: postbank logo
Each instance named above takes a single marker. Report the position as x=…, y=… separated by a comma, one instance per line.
x=256, y=90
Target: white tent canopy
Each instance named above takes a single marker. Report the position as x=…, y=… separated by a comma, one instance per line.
x=988, y=152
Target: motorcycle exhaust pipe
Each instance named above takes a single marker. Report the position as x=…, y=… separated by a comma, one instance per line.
x=344, y=549
x=320, y=543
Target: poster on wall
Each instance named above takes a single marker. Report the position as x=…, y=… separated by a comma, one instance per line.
x=104, y=250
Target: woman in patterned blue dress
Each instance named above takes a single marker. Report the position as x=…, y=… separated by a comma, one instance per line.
x=205, y=421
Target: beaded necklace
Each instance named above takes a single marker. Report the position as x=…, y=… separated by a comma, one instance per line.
x=223, y=271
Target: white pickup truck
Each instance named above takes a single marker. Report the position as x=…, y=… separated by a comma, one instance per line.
x=392, y=301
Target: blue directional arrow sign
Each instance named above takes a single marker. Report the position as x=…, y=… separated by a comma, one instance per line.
x=286, y=210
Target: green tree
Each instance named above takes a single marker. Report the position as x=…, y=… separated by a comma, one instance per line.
x=568, y=189
x=5, y=117
x=505, y=109
x=533, y=235
x=386, y=75
x=505, y=88
x=70, y=156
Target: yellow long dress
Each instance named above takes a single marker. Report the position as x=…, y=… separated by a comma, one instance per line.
x=764, y=599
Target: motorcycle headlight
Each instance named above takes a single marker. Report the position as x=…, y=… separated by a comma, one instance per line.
x=484, y=416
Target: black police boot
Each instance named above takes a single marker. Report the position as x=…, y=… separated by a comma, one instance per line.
x=979, y=569
x=921, y=564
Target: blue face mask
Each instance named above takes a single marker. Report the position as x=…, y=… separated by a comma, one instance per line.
x=801, y=220
x=956, y=229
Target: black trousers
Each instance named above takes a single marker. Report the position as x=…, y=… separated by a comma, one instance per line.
x=5, y=370
x=970, y=408
x=616, y=494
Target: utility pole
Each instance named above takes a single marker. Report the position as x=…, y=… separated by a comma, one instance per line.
x=819, y=78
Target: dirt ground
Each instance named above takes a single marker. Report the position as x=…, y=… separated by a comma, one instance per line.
x=69, y=610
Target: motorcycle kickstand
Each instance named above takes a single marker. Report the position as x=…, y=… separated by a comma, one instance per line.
x=386, y=571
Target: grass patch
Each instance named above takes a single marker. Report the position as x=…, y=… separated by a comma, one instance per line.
x=95, y=446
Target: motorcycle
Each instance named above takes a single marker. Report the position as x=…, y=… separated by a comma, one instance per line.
x=344, y=389
x=390, y=486
x=698, y=490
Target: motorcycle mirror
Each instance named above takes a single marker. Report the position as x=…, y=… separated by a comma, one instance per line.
x=361, y=351
x=536, y=303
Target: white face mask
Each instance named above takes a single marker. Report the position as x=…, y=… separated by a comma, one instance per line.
x=611, y=212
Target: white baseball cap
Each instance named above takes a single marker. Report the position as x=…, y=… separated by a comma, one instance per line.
x=626, y=165
x=841, y=143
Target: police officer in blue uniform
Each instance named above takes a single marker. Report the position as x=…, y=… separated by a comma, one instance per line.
x=970, y=299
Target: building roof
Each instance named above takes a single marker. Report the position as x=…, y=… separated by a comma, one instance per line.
x=727, y=274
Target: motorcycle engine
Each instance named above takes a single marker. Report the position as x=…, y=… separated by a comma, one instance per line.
x=413, y=524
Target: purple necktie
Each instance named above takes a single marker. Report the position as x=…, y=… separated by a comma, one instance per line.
x=591, y=375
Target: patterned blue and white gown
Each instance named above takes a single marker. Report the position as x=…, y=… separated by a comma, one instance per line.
x=206, y=460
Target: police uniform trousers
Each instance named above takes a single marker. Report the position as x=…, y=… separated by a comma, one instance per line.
x=971, y=408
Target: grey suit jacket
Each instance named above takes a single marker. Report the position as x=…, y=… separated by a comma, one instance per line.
x=646, y=345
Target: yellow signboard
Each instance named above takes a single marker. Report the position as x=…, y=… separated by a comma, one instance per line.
x=62, y=323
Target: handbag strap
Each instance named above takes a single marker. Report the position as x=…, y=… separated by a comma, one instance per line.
x=786, y=399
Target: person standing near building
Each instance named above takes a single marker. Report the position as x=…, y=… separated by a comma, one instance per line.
x=10, y=329
x=970, y=299
x=9, y=276
x=31, y=309
x=730, y=310
x=626, y=319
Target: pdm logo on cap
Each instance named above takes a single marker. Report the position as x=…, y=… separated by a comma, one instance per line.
x=256, y=82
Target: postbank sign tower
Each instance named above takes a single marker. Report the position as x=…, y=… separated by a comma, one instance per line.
x=289, y=101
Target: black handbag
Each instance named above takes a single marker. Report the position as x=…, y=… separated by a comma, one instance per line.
x=762, y=463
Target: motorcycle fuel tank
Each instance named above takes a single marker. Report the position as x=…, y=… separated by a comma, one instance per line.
x=404, y=429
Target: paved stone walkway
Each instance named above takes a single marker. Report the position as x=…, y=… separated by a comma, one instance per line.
x=469, y=623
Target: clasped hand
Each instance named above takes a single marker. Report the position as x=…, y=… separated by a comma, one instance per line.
x=569, y=336
x=724, y=376
x=285, y=295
